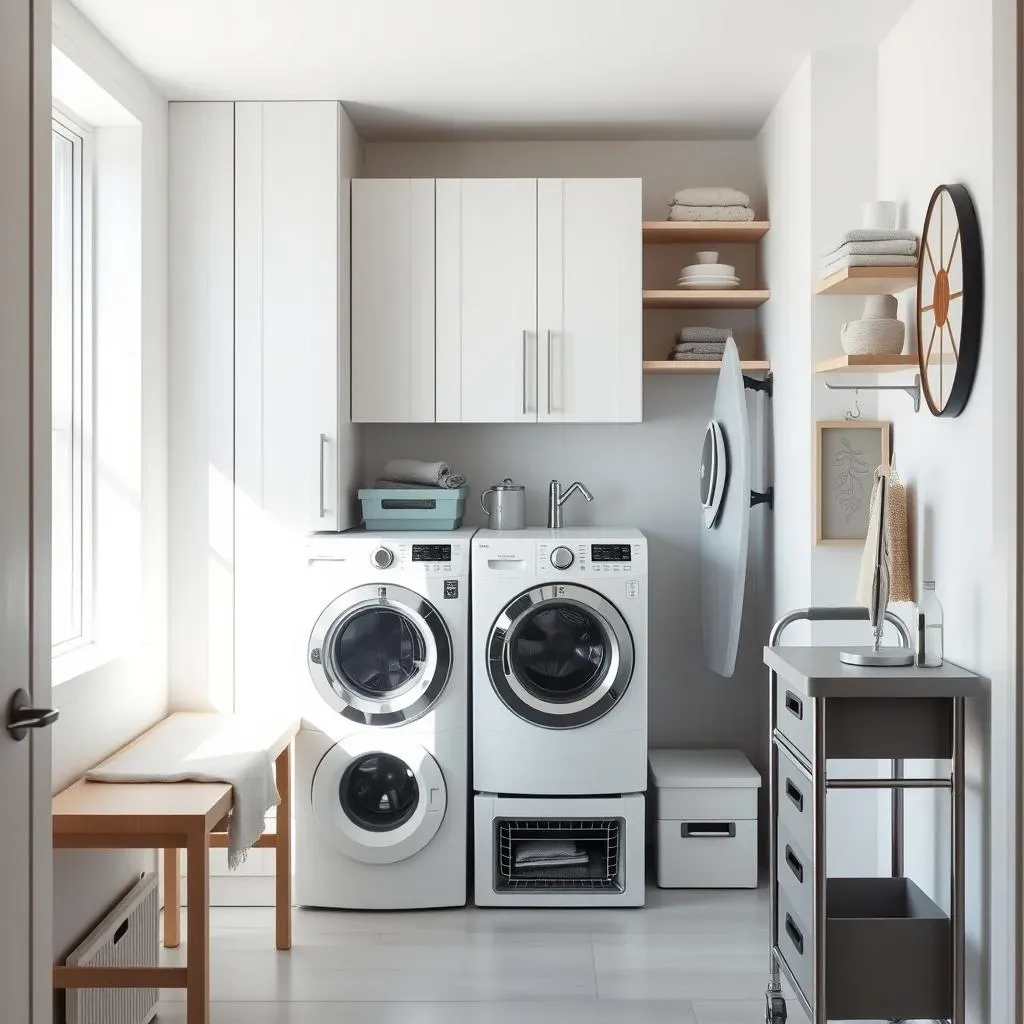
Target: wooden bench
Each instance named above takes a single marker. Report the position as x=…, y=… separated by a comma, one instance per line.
x=172, y=816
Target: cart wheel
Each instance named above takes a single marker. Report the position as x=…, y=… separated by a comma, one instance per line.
x=775, y=1011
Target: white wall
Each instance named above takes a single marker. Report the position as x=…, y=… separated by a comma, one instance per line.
x=936, y=127
x=108, y=704
x=642, y=475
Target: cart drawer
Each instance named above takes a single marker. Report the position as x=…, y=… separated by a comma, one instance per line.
x=795, y=871
x=796, y=805
x=794, y=713
x=707, y=854
x=796, y=944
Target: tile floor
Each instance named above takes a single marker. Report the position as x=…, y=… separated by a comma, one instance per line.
x=686, y=958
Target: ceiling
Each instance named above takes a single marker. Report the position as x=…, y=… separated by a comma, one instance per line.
x=496, y=68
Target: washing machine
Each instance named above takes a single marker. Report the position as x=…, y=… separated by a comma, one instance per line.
x=560, y=662
x=381, y=762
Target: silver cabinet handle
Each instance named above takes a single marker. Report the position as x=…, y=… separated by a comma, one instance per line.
x=525, y=343
x=549, y=372
x=323, y=444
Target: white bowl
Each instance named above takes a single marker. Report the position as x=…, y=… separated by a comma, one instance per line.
x=708, y=270
x=707, y=257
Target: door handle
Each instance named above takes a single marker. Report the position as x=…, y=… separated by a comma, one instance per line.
x=323, y=444
x=21, y=716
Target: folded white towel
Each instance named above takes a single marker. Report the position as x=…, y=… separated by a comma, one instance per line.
x=203, y=747
x=893, y=247
x=710, y=213
x=876, y=235
x=705, y=334
x=710, y=196
x=422, y=474
x=867, y=261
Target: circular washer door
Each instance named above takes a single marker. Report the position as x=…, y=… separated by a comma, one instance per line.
x=380, y=655
x=376, y=802
x=560, y=656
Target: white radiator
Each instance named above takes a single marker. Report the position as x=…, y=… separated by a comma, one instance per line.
x=129, y=936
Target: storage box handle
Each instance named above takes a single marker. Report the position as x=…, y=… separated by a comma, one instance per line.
x=795, y=795
x=794, y=705
x=794, y=864
x=795, y=935
x=708, y=830
x=427, y=504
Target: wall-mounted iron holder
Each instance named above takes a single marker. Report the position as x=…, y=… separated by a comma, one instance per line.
x=766, y=385
x=914, y=390
x=763, y=498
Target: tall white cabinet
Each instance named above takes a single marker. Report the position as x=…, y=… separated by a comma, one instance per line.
x=535, y=309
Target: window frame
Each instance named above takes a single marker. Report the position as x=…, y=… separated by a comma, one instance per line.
x=83, y=424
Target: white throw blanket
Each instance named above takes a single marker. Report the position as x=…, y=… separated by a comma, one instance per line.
x=712, y=213
x=894, y=247
x=422, y=474
x=710, y=196
x=200, y=747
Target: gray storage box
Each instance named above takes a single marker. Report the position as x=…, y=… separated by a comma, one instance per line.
x=413, y=508
x=887, y=952
x=707, y=819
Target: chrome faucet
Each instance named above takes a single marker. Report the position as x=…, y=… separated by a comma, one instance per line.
x=557, y=498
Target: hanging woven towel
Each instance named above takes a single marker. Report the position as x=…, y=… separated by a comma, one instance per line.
x=897, y=547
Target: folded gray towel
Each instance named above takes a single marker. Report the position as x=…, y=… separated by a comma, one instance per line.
x=404, y=485
x=698, y=357
x=705, y=334
x=877, y=235
x=710, y=213
x=422, y=474
x=700, y=347
x=710, y=196
x=867, y=261
x=893, y=247
x=532, y=851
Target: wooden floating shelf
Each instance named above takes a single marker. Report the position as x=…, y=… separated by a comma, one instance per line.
x=867, y=364
x=868, y=281
x=701, y=365
x=712, y=298
x=681, y=232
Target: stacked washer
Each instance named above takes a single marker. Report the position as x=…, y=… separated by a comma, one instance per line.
x=559, y=716
x=382, y=770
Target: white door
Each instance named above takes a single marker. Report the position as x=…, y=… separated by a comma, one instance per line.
x=487, y=300
x=288, y=323
x=589, y=292
x=25, y=839
x=393, y=300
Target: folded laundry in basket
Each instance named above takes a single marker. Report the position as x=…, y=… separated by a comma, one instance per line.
x=421, y=474
x=547, y=853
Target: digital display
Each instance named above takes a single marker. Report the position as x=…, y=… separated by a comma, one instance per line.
x=431, y=552
x=610, y=553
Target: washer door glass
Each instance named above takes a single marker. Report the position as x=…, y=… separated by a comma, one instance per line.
x=380, y=655
x=560, y=656
x=379, y=792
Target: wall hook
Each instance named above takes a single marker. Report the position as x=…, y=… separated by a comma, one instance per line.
x=851, y=415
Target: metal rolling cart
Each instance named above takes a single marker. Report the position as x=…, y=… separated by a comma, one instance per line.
x=860, y=948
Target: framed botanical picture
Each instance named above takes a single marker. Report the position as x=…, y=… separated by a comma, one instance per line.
x=846, y=455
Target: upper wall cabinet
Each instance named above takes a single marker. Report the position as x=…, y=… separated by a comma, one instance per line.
x=538, y=300
x=291, y=336
x=393, y=300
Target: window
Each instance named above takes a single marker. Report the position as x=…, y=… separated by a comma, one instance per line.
x=71, y=368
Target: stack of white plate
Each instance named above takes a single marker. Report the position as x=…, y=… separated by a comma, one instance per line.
x=708, y=273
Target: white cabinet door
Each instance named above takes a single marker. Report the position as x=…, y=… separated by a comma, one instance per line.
x=290, y=326
x=487, y=300
x=393, y=300
x=589, y=286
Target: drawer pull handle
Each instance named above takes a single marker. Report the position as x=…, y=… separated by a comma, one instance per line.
x=708, y=830
x=794, y=864
x=795, y=795
x=794, y=705
x=795, y=935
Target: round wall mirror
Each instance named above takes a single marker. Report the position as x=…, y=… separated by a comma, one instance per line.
x=949, y=300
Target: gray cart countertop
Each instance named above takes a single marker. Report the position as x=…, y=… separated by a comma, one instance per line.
x=818, y=672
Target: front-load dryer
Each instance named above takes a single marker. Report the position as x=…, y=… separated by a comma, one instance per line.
x=560, y=662
x=386, y=635
x=381, y=819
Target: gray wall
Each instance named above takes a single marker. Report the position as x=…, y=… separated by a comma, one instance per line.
x=642, y=475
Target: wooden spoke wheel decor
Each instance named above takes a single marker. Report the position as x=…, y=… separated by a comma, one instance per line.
x=950, y=294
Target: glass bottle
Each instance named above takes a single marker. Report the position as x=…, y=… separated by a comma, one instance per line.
x=929, y=627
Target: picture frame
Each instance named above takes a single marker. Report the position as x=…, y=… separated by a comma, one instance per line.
x=846, y=455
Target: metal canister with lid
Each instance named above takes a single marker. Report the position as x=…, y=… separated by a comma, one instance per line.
x=507, y=509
